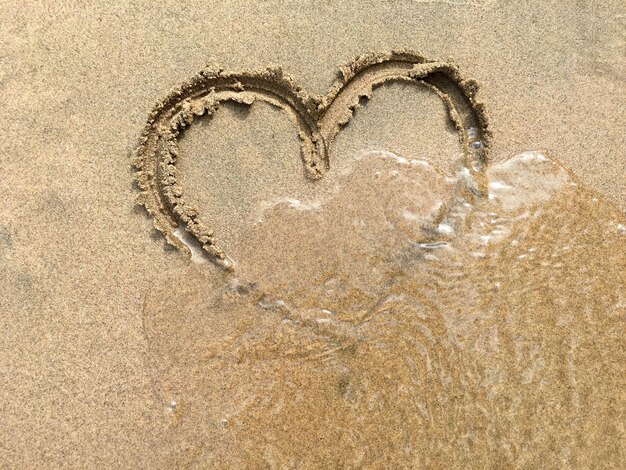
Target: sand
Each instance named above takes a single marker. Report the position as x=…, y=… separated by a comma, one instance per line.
x=81, y=264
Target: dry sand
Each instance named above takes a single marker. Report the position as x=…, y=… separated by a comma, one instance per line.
x=79, y=260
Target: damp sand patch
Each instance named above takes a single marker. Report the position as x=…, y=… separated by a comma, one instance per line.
x=378, y=330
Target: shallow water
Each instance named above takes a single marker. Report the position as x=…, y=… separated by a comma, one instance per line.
x=393, y=318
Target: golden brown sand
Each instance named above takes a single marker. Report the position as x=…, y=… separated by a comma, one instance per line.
x=117, y=351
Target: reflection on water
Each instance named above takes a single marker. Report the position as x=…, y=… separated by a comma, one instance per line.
x=397, y=320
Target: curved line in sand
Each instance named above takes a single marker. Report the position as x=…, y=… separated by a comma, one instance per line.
x=319, y=119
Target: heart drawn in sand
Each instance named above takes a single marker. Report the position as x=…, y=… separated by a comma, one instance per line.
x=319, y=119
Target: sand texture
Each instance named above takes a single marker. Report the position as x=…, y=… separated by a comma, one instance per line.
x=272, y=235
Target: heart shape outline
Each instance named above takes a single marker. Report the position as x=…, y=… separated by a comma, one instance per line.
x=320, y=119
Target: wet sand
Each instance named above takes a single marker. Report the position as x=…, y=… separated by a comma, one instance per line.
x=118, y=350
x=379, y=325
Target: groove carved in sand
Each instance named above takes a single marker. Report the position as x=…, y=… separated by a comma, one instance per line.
x=319, y=118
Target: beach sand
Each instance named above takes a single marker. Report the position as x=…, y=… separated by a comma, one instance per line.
x=81, y=373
